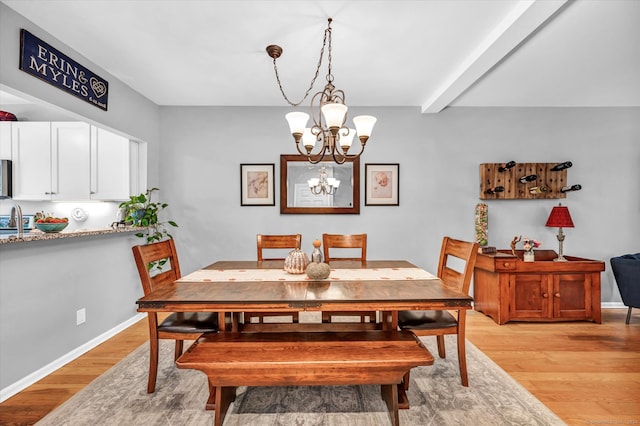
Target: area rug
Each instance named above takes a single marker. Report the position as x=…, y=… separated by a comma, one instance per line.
x=119, y=397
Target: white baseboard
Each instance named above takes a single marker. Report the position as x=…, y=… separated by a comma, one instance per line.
x=27, y=381
x=613, y=305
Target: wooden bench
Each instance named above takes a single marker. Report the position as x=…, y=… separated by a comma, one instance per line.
x=305, y=359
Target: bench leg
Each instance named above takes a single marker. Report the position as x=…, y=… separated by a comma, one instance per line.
x=390, y=396
x=224, y=397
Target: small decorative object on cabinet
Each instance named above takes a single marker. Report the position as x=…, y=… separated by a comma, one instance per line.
x=528, y=244
x=508, y=289
x=560, y=218
x=509, y=181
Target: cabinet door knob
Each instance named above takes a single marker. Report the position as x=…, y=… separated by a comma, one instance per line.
x=556, y=294
x=545, y=295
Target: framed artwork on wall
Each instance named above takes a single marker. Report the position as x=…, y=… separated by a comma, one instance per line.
x=382, y=184
x=257, y=185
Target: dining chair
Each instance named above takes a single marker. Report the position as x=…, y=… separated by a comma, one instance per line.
x=271, y=243
x=291, y=241
x=179, y=326
x=440, y=323
x=344, y=241
x=348, y=245
x=626, y=271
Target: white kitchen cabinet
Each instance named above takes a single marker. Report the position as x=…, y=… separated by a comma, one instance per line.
x=110, y=170
x=138, y=167
x=5, y=140
x=50, y=160
x=31, y=157
x=70, y=161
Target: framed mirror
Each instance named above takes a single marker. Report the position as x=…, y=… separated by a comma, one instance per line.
x=298, y=197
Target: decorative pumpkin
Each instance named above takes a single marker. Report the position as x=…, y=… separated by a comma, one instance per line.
x=296, y=262
x=318, y=271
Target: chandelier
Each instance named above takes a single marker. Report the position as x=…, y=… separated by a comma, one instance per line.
x=323, y=184
x=329, y=114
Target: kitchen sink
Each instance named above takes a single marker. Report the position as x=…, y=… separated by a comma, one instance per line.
x=5, y=231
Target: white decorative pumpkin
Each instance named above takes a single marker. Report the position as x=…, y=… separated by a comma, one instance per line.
x=296, y=262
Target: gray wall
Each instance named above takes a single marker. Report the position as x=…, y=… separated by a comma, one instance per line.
x=43, y=284
x=439, y=157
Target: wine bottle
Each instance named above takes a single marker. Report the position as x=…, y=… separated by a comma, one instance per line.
x=575, y=187
x=507, y=166
x=528, y=178
x=561, y=166
x=538, y=190
x=495, y=190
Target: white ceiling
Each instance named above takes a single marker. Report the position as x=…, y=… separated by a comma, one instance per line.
x=432, y=53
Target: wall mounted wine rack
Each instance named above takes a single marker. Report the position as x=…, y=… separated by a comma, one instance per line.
x=512, y=181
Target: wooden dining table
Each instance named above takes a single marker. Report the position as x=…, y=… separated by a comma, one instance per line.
x=235, y=287
x=384, y=285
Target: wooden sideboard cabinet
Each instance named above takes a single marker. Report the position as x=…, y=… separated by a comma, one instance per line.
x=506, y=288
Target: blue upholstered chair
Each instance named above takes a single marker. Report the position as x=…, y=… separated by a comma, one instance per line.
x=626, y=270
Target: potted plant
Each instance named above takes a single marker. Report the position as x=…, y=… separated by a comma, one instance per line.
x=143, y=212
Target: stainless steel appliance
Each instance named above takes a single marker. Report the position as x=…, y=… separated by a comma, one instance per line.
x=5, y=179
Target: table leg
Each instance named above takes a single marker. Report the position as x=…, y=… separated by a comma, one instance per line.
x=211, y=402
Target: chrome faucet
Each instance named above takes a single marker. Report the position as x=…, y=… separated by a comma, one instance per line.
x=16, y=219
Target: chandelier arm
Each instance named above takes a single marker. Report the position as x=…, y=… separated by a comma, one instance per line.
x=362, y=146
x=318, y=157
x=313, y=80
x=337, y=157
x=312, y=158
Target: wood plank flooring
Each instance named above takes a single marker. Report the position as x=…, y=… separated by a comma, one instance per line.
x=588, y=374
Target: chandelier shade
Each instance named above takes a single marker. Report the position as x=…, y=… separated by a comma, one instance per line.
x=297, y=122
x=328, y=113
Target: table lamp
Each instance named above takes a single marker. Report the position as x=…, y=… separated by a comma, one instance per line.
x=560, y=218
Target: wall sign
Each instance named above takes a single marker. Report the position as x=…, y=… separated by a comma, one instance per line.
x=49, y=64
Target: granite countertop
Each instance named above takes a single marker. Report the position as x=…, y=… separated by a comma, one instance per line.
x=36, y=235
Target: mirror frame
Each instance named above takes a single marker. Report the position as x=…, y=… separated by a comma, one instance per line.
x=284, y=207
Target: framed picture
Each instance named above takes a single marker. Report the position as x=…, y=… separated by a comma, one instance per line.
x=257, y=186
x=382, y=184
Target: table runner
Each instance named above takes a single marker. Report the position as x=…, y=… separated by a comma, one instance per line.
x=247, y=275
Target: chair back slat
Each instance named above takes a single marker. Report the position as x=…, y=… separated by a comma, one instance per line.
x=155, y=252
x=344, y=241
x=466, y=252
x=291, y=241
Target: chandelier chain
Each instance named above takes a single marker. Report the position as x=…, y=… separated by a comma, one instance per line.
x=313, y=81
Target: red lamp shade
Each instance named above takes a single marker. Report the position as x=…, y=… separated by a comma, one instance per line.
x=560, y=218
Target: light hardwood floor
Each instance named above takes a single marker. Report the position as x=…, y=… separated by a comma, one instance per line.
x=588, y=374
